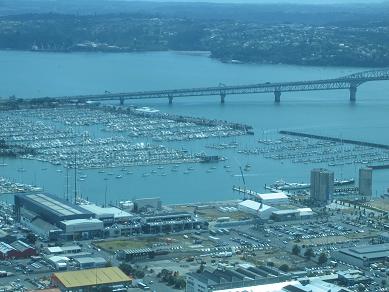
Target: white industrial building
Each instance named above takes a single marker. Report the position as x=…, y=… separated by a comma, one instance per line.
x=245, y=278
x=59, y=262
x=108, y=215
x=90, y=262
x=145, y=204
x=363, y=255
x=273, y=199
x=256, y=208
x=127, y=205
x=82, y=228
x=62, y=250
x=309, y=285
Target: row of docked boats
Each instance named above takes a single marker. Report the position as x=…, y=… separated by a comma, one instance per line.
x=101, y=138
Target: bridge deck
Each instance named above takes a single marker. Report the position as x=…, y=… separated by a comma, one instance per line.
x=347, y=82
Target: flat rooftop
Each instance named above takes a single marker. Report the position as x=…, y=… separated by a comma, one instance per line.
x=53, y=204
x=254, y=205
x=92, y=277
x=273, y=196
x=81, y=221
x=368, y=251
x=108, y=211
x=60, y=249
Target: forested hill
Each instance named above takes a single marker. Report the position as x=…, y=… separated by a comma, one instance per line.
x=307, y=35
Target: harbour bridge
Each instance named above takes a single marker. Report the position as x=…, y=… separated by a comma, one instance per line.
x=349, y=82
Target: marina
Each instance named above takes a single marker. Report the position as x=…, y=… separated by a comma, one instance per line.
x=107, y=124
x=9, y=187
x=312, y=150
x=117, y=138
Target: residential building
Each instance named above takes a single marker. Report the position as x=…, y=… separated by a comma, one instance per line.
x=322, y=186
x=366, y=182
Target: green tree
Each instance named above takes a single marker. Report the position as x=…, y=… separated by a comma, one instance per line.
x=126, y=268
x=309, y=253
x=31, y=238
x=322, y=258
x=180, y=283
x=284, y=268
x=201, y=268
x=296, y=249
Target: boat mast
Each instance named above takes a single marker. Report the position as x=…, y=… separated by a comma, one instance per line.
x=75, y=178
x=67, y=183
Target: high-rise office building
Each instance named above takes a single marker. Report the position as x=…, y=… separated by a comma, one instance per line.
x=322, y=185
x=366, y=182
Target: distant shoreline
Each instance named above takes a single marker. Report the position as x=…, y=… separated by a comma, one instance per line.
x=207, y=54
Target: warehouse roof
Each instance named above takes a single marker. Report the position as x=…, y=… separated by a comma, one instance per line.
x=273, y=196
x=53, y=204
x=91, y=277
x=286, y=212
x=58, y=259
x=44, y=225
x=63, y=249
x=254, y=205
x=368, y=251
x=87, y=260
x=80, y=221
x=108, y=211
x=5, y=248
x=21, y=246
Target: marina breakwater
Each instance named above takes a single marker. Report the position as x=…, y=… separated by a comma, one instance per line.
x=334, y=139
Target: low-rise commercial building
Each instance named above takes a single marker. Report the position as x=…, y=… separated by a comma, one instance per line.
x=63, y=250
x=243, y=276
x=352, y=277
x=364, y=255
x=292, y=214
x=59, y=262
x=82, y=228
x=171, y=222
x=273, y=199
x=256, y=208
x=384, y=237
x=90, y=279
x=132, y=228
x=314, y=284
x=16, y=250
x=136, y=254
x=90, y=262
x=109, y=215
x=43, y=228
x=24, y=250
x=6, y=237
x=7, y=251
x=145, y=204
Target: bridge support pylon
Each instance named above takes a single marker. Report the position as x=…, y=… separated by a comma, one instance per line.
x=121, y=100
x=353, y=93
x=222, y=98
x=170, y=99
x=277, y=96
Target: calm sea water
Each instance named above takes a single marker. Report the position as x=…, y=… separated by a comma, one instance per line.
x=27, y=74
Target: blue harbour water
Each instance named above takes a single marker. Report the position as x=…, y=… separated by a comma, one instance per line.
x=28, y=74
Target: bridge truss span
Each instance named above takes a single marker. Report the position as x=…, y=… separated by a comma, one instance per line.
x=350, y=82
